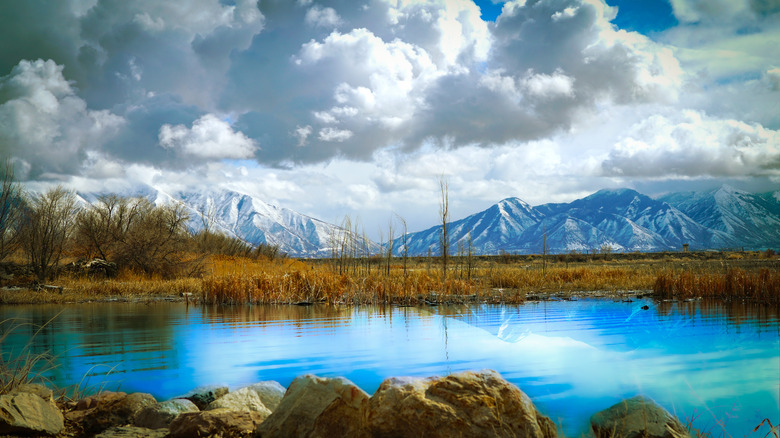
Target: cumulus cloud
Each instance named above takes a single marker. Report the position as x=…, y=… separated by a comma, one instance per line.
x=722, y=11
x=46, y=126
x=361, y=79
x=209, y=138
x=322, y=17
x=552, y=89
x=694, y=145
x=773, y=78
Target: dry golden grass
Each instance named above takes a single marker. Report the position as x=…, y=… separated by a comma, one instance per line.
x=761, y=286
x=509, y=279
x=127, y=286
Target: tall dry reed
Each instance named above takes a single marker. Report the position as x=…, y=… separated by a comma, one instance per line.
x=762, y=286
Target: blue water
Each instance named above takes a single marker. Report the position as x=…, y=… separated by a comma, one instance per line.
x=717, y=364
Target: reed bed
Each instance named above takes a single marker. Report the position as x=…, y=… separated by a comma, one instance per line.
x=761, y=286
x=296, y=282
x=583, y=278
x=322, y=286
x=259, y=280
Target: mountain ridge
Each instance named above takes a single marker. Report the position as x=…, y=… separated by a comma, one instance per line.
x=620, y=220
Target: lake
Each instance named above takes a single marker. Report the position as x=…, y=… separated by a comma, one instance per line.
x=719, y=364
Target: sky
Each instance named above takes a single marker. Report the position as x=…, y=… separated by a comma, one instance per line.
x=361, y=108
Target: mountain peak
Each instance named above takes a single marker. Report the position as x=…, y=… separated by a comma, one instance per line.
x=727, y=189
x=615, y=192
x=514, y=201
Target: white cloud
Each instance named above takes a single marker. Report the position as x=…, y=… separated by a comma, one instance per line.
x=542, y=85
x=694, y=145
x=333, y=134
x=302, y=133
x=693, y=11
x=773, y=78
x=47, y=127
x=209, y=138
x=322, y=17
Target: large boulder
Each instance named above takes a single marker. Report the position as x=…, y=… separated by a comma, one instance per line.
x=468, y=404
x=270, y=393
x=26, y=413
x=219, y=423
x=160, y=415
x=634, y=418
x=318, y=407
x=108, y=409
x=203, y=395
x=245, y=399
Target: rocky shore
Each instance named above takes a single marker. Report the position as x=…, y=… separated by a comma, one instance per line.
x=467, y=404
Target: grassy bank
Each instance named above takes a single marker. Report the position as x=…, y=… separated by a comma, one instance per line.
x=747, y=276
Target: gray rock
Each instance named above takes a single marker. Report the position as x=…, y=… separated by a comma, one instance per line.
x=132, y=432
x=318, y=407
x=160, y=415
x=203, y=395
x=270, y=393
x=216, y=423
x=467, y=404
x=34, y=388
x=244, y=399
x=28, y=414
x=634, y=418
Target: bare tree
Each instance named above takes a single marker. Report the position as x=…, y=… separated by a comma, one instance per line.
x=470, y=257
x=444, y=215
x=11, y=205
x=544, y=251
x=153, y=238
x=389, y=253
x=405, y=243
x=46, y=228
x=96, y=227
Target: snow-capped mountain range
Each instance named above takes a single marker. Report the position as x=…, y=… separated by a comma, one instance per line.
x=620, y=220
x=246, y=217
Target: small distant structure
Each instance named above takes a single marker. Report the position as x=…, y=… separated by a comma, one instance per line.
x=685, y=247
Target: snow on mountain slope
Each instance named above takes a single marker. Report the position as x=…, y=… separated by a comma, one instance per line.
x=492, y=230
x=622, y=220
x=751, y=220
x=250, y=219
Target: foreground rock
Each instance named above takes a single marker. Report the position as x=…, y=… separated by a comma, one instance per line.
x=160, y=415
x=242, y=400
x=467, y=404
x=637, y=417
x=30, y=410
x=204, y=395
x=318, y=407
x=220, y=423
x=107, y=409
x=270, y=393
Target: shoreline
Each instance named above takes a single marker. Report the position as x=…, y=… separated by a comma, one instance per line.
x=471, y=403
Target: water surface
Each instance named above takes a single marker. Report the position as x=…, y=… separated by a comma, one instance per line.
x=718, y=364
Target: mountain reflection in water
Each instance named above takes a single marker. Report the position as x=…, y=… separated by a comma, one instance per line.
x=714, y=361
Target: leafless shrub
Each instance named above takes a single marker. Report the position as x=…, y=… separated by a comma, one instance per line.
x=11, y=203
x=46, y=226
